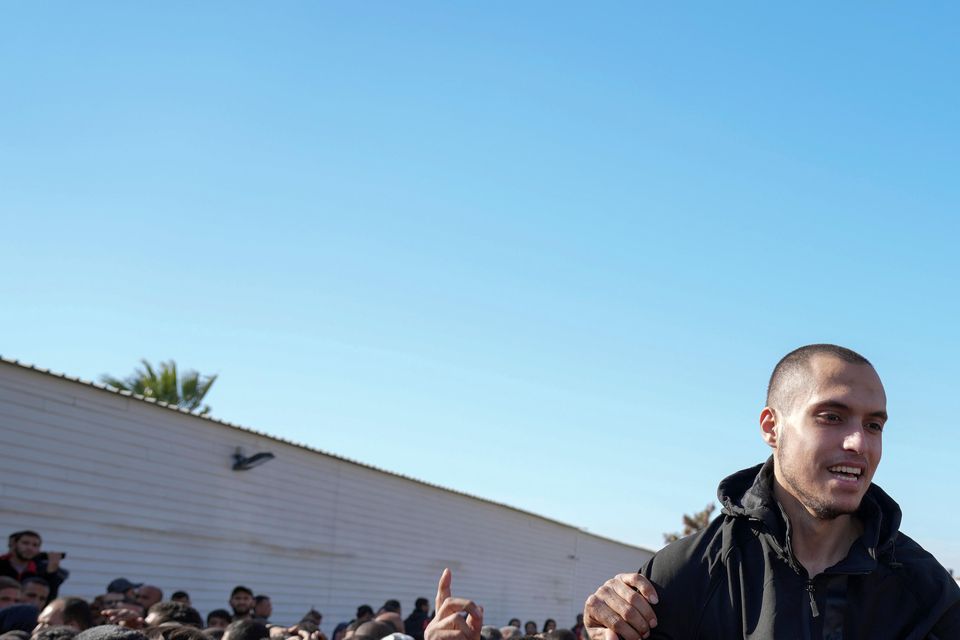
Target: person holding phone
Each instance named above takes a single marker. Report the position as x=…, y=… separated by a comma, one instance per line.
x=25, y=560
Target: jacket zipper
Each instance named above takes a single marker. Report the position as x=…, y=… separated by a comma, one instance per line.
x=813, y=599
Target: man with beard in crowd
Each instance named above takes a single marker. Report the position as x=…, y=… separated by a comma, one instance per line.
x=25, y=560
x=241, y=601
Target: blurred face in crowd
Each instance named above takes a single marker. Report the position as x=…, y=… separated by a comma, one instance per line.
x=111, y=601
x=264, y=608
x=530, y=628
x=182, y=599
x=26, y=548
x=36, y=594
x=148, y=595
x=9, y=596
x=216, y=622
x=241, y=602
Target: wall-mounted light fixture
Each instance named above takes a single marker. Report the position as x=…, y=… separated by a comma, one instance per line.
x=245, y=463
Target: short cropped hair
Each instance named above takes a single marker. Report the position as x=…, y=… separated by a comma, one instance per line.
x=364, y=610
x=223, y=614
x=56, y=633
x=489, y=632
x=241, y=589
x=260, y=599
x=6, y=582
x=794, y=364
x=170, y=611
x=246, y=630
x=16, y=535
x=35, y=580
x=392, y=606
x=77, y=612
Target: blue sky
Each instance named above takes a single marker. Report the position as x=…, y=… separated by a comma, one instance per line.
x=544, y=253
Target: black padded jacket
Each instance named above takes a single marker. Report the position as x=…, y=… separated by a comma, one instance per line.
x=738, y=577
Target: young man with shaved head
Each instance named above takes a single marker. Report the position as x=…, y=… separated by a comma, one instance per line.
x=807, y=546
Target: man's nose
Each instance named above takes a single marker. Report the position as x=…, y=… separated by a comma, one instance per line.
x=854, y=440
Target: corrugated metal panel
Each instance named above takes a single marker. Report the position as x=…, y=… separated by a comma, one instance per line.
x=130, y=489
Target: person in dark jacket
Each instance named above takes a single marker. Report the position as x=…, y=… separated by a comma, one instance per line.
x=806, y=545
x=25, y=560
x=417, y=621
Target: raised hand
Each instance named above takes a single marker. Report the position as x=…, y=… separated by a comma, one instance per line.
x=456, y=618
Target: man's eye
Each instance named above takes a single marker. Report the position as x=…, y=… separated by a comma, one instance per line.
x=875, y=426
x=830, y=417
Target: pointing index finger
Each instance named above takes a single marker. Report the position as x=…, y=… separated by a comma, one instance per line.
x=443, y=588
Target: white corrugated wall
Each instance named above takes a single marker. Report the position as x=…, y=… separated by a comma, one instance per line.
x=140, y=491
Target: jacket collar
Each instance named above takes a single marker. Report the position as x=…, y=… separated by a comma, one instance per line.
x=749, y=494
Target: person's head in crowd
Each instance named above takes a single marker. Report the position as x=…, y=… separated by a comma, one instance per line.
x=10, y=592
x=510, y=631
x=246, y=630
x=529, y=628
x=125, y=587
x=183, y=633
x=219, y=619
x=148, y=595
x=35, y=590
x=15, y=635
x=182, y=597
x=560, y=634
x=18, y=617
x=392, y=606
x=214, y=633
x=549, y=625
x=241, y=601
x=110, y=632
x=391, y=618
x=515, y=622
x=374, y=629
x=71, y=612
x=262, y=607
x=364, y=613
x=24, y=545
x=340, y=631
x=110, y=600
x=313, y=616
x=397, y=636
x=171, y=611
x=62, y=632
x=490, y=632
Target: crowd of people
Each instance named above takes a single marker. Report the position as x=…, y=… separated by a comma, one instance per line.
x=32, y=609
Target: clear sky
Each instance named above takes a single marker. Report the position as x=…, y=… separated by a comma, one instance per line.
x=545, y=253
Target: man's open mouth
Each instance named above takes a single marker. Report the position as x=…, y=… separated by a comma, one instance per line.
x=845, y=472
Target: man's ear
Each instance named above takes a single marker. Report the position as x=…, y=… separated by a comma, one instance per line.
x=769, y=427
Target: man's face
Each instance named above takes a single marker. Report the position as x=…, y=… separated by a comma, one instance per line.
x=111, y=600
x=51, y=616
x=147, y=596
x=241, y=602
x=217, y=622
x=264, y=609
x=26, y=548
x=9, y=596
x=828, y=441
x=35, y=594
